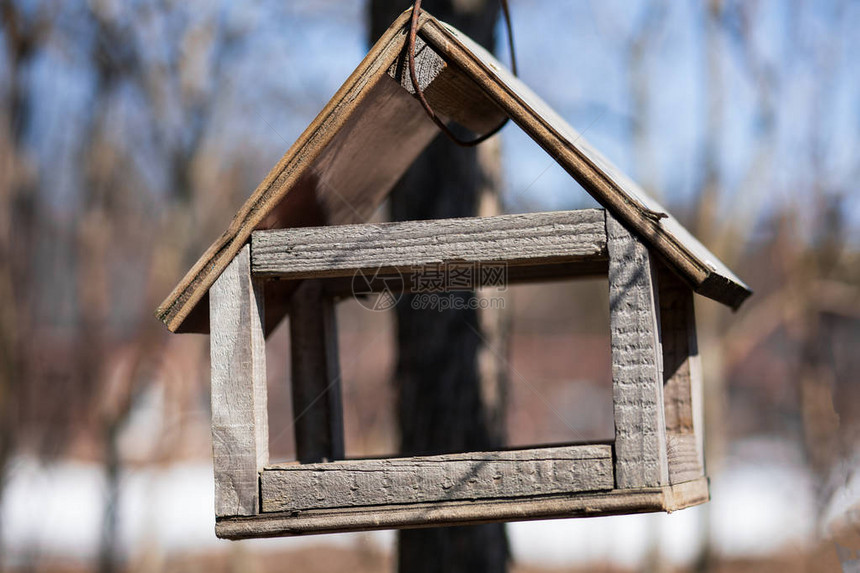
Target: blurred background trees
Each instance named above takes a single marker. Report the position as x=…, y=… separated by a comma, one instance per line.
x=131, y=132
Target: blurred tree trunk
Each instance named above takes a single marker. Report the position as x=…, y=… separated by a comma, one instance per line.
x=16, y=214
x=443, y=403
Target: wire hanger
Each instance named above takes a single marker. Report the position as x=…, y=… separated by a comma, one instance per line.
x=413, y=33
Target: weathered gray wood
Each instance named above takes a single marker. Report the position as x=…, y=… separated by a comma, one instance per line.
x=428, y=66
x=240, y=431
x=480, y=475
x=527, y=239
x=446, y=513
x=637, y=380
x=317, y=409
x=682, y=379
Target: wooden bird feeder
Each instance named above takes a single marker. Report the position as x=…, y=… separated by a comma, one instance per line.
x=295, y=245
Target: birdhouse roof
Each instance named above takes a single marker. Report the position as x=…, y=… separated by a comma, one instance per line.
x=346, y=162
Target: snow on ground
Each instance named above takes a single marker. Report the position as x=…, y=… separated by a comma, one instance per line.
x=56, y=509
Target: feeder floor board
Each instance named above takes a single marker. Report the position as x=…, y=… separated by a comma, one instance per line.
x=587, y=504
x=477, y=475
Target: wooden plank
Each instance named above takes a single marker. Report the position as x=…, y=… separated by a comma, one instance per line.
x=315, y=381
x=605, y=182
x=240, y=431
x=586, y=504
x=682, y=379
x=637, y=380
x=526, y=239
x=479, y=475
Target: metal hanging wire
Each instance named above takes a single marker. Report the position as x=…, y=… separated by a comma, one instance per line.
x=413, y=33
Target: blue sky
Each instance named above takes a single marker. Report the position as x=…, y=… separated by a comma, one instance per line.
x=574, y=55
x=282, y=60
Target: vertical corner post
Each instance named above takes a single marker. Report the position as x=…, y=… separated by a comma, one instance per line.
x=637, y=378
x=240, y=429
x=682, y=378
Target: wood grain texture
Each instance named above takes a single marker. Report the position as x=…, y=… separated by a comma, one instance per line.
x=478, y=475
x=605, y=182
x=527, y=239
x=637, y=380
x=586, y=504
x=428, y=66
x=240, y=432
x=682, y=379
x=684, y=457
x=316, y=393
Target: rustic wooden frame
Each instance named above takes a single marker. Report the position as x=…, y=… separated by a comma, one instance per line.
x=654, y=464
